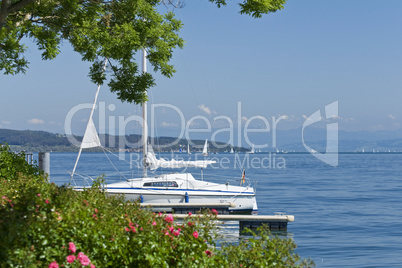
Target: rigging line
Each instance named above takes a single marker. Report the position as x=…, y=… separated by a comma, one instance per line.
x=85, y=177
x=220, y=176
x=122, y=159
x=104, y=151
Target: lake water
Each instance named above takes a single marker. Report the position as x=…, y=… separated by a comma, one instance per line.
x=348, y=216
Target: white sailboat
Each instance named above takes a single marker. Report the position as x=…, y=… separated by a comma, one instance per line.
x=205, y=149
x=188, y=149
x=173, y=187
x=231, y=150
x=252, y=149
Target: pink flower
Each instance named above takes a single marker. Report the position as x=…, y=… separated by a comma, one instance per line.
x=166, y=233
x=169, y=218
x=84, y=260
x=171, y=229
x=176, y=233
x=4, y=197
x=214, y=211
x=189, y=214
x=93, y=266
x=94, y=216
x=47, y=201
x=71, y=247
x=54, y=261
x=160, y=213
x=209, y=253
x=133, y=229
x=70, y=258
x=53, y=265
x=127, y=230
x=195, y=234
x=154, y=223
x=190, y=223
x=141, y=229
x=96, y=210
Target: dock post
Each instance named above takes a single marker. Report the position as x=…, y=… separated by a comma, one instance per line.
x=44, y=163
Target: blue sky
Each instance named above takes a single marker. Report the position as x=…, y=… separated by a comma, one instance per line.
x=290, y=63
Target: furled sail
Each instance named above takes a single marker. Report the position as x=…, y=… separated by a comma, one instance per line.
x=154, y=163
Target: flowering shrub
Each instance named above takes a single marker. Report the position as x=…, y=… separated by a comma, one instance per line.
x=45, y=225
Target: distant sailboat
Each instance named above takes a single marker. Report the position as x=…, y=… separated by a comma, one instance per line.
x=205, y=150
x=188, y=149
x=232, y=151
x=252, y=149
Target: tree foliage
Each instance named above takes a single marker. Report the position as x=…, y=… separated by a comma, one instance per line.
x=115, y=30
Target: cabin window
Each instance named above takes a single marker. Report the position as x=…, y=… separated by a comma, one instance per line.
x=161, y=184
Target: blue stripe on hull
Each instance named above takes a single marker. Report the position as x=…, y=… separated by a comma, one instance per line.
x=184, y=190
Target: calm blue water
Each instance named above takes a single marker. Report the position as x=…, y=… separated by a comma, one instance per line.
x=348, y=216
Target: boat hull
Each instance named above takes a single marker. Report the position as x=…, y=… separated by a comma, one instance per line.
x=244, y=204
x=178, y=188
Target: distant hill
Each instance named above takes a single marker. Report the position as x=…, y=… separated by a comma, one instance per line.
x=33, y=141
x=381, y=146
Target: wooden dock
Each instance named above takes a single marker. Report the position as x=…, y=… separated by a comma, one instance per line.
x=277, y=222
x=185, y=208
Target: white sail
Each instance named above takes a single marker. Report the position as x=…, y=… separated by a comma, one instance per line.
x=232, y=151
x=154, y=163
x=188, y=149
x=205, y=150
x=252, y=149
x=91, y=138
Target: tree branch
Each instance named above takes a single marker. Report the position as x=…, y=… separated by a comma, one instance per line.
x=19, y=5
x=4, y=12
x=26, y=17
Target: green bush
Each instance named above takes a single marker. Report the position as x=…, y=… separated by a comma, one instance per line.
x=45, y=225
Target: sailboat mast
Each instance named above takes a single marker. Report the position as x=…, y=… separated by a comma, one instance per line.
x=89, y=122
x=144, y=118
